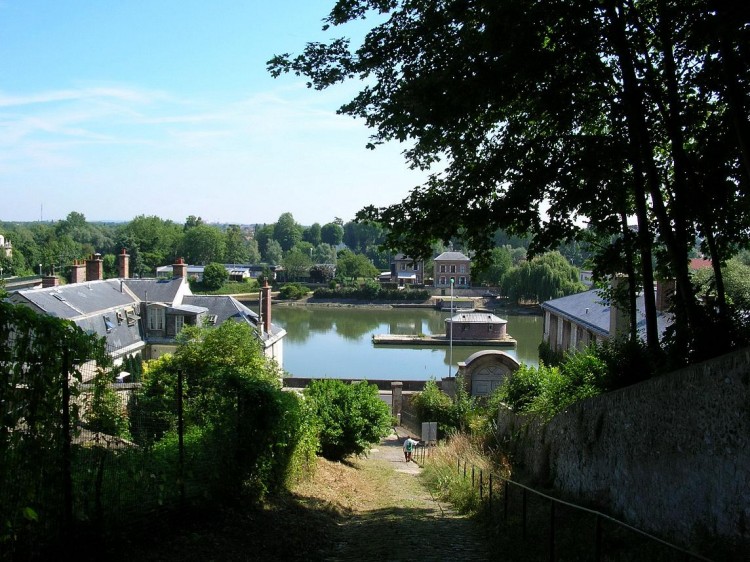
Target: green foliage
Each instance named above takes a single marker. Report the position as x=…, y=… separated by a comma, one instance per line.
x=520, y=389
x=351, y=417
x=545, y=277
x=432, y=404
x=296, y=264
x=203, y=244
x=370, y=292
x=451, y=415
x=106, y=412
x=293, y=291
x=214, y=276
x=353, y=266
x=256, y=435
x=549, y=390
x=332, y=234
x=40, y=356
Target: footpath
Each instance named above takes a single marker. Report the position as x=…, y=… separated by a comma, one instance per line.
x=397, y=518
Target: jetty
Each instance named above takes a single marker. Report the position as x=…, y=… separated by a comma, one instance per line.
x=439, y=340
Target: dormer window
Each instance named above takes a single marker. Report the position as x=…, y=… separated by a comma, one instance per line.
x=108, y=324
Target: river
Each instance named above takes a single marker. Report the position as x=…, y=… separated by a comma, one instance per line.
x=335, y=342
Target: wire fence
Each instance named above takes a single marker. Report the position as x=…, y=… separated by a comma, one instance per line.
x=553, y=529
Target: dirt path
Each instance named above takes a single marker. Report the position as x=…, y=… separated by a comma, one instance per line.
x=390, y=515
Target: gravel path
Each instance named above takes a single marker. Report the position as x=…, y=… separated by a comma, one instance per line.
x=402, y=521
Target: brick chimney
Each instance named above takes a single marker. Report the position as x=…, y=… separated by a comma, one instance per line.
x=665, y=289
x=179, y=268
x=265, y=294
x=50, y=281
x=78, y=272
x=95, y=268
x=124, y=264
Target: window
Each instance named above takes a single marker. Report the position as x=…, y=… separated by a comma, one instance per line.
x=119, y=317
x=131, y=316
x=155, y=318
x=108, y=324
x=403, y=267
x=442, y=269
x=462, y=269
x=179, y=321
x=453, y=269
x=462, y=280
x=211, y=319
x=416, y=267
x=442, y=280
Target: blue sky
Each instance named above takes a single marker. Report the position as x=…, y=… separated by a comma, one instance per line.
x=164, y=107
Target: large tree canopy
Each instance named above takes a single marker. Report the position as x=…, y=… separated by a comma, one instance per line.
x=547, y=115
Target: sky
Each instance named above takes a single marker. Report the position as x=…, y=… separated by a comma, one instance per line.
x=116, y=109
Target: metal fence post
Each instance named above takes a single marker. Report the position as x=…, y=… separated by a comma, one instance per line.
x=180, y=440
x=552, y=531
x=523, y=510
x=506, y=488
x=67, y=478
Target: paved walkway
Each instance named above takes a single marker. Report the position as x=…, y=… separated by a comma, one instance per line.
x=406, y=522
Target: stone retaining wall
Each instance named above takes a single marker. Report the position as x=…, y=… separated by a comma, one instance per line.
x=670, y=455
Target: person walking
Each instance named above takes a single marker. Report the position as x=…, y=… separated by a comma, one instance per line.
x=409, y=446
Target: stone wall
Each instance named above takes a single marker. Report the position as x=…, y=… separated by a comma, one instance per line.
x=670, y=456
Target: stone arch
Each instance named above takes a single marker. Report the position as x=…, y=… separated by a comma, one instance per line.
x=485, y=370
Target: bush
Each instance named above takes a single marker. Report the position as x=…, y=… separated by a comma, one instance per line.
x=350, y=417
x=432, y=404
x=214, y=276
x=293, y=291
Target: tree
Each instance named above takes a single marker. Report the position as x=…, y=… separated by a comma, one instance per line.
x=354, y=266
x=191, y=222
x=274, y=254
x=203, y=244
x=351, y=416
x=296, y=263
x=500, y=263
x=214, y=276
x=287, y=232
x=312, y=234
x=332, y=234
x=324, y=253
x=545, y=277
x=595, y=111
x=151, y=242
x=236, y=246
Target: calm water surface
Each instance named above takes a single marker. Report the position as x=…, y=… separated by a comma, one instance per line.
x=336, y=342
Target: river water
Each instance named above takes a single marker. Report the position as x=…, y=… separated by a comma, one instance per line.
x=335, y=342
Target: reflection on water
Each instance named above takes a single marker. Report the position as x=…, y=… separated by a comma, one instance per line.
x=336, y=342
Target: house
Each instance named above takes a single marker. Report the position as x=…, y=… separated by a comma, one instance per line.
x=452, y=265
x=406, y=271
x=143, y=316
x=576, y=321
x=6, y=248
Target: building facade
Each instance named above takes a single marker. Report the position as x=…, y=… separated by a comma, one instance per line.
x=452, y=265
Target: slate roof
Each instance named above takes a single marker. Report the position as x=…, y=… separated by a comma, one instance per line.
x=476, y=318
x=73, y=301
x=227, y=308
x=451, y=256
x=93, y=306
x=155, y=290
x=590, y=311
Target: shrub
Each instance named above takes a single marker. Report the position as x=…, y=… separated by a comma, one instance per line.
x=214, y=276
x=350, y=417
x=432, y=404
x=293, y=291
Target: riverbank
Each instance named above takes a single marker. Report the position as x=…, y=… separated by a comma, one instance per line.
x=482, y=304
